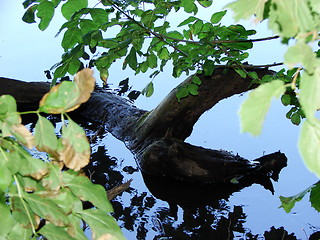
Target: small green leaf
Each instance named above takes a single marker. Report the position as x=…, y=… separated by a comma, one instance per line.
x=253, y=110
x=241, y=72
x=29, y=15
x=45, y=13
x=72, y=6
x=164, y=54
x=45, y=137
x=148, y=90
x=182, y=93
x=7, y=104
x=196, y=80
x=193, y=89
x=216, y=17
x=205, y=3
x=315, y=196
x=131, y=59
x=188, y=20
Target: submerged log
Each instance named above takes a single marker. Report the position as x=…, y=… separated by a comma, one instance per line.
x=157, y=137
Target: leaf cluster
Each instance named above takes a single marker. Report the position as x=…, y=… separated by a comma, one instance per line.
x=140, y=35
x=38, y=197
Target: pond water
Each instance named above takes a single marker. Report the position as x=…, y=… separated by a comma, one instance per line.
x=144, y=213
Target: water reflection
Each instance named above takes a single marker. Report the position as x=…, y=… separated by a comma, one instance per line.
x=191, y=211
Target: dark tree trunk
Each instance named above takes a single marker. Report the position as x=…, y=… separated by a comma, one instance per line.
x=157, y=137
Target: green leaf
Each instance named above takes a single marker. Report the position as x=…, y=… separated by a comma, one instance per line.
x=315, y=197
x=193, y=89
x=216, y=17
x=148, y=90
x=188, y=20
x=196, y=80
x=71, y=37
x=288, y=18
x=309, y=145
x=84, y=189
x=19, y=232
x=205, y=3
x=301, y=53
x=29, y=15
x=32, y=167
x=287, y=203
x=245, y=9
x=53, y=232
x=241, y=72
x=189, y=6
x=182, y=93
x=61, y=98
x=309, y=92
x=46, y=208
x=45, y=137
x=6, y=221
x=45, y=13
x=72, y=6
x=52, y=181
x=7, y=104
x=22, y=213
x=99, y=15
x=102, y=225
x=164, y=54
x=131, y=59
x=253, y=110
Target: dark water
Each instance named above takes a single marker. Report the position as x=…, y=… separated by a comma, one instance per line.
x=156, y=209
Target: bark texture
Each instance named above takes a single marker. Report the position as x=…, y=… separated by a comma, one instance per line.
x=157, y=137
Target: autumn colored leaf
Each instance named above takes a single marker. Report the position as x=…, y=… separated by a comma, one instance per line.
x=76, y=148
x=86, y=82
